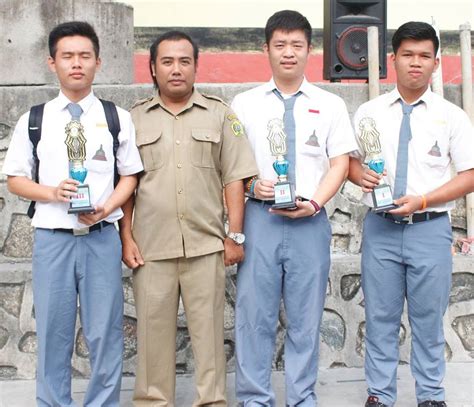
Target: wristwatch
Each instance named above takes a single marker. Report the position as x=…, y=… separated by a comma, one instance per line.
x=238, y=238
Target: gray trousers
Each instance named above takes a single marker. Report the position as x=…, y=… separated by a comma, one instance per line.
x=411, y=262
x=65, y=267
x=289, y=259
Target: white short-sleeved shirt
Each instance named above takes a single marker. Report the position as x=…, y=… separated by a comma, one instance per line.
x=323, y=131
x=54, y=164
x=441, y=134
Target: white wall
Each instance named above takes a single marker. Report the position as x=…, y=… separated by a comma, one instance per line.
x=449, y=14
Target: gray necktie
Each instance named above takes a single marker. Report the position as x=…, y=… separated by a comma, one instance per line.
x=290, y=127
x=400, y=187
x=76, y=110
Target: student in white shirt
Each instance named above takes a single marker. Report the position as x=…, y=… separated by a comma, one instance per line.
x=287, y=251
x=406, y=252
x=76, y=255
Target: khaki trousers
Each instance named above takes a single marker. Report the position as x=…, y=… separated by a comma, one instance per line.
x=200, y=281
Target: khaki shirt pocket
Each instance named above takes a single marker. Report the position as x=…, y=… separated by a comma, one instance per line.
x=151, y=151
x=204, y=147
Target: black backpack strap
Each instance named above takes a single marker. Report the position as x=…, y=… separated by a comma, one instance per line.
x=113, y=123
x=34, y=132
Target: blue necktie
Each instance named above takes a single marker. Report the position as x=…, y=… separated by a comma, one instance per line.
x=290, y=127
x=76, y=110
x=400, y=187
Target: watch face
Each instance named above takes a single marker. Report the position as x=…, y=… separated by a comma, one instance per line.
x=238, y=238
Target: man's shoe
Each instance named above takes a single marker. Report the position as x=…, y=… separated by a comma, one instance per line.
x=432, y=403
x=373, y=401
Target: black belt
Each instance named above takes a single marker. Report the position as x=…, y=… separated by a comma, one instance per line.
x=86, y=230
x=262, y=201
x=413, y=218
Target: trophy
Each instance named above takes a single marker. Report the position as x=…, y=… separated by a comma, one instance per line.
x=370, y=140
x=76, y=152
x=284, y=189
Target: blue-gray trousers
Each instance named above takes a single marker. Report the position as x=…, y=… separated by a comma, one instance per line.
x=411, y=262
x=289, y=259
x=65, y=267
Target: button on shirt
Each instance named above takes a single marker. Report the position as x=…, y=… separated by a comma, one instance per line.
x=54, y=163
x=441, y=134
x=179, y=208
x=323, y=131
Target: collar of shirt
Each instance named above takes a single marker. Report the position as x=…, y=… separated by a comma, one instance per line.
x=305, y=88
x=61, y=102
x=394, y=96
x=195, y=99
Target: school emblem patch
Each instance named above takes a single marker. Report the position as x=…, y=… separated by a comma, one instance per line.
x=235, y=125
x=100, y=154
x=435, y=150
x=313, y=140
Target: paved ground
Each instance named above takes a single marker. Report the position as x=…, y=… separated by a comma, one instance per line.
x=336, y=388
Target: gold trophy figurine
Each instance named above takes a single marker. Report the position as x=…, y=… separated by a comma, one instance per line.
x=76, y=152
x=284, y=189
x=369, y=138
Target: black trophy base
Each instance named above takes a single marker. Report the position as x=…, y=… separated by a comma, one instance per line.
x=284, y=196
x=382, y=199
x=386, y=208
x=86, y=209
x=81, y=202
x=287, y=206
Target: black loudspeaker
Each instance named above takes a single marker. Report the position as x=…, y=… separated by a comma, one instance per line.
x=345, y=37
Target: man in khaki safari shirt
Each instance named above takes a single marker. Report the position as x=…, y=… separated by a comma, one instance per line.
x=193, y=148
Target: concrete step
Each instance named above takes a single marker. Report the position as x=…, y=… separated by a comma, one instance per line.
x=341, y=387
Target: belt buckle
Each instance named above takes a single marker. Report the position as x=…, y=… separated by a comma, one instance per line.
x=80, y=232
x=408, y=219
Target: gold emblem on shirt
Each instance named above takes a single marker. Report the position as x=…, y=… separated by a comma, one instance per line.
x=235, y=125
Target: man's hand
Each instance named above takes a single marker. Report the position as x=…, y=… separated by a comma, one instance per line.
x=233, y=253
x=264, y=189
x=304, y=208
x=370, y=179
x=65, y=189
x=408, y=204
x=94, y=217
x=131, y=255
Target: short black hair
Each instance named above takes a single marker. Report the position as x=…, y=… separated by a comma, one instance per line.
x=70, y=29
x=287, y=20
x=174, y=35
x=415, y=30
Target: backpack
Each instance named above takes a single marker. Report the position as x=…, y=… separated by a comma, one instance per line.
x=34, y=132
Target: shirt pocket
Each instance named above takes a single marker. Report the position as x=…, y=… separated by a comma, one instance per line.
x=151, y=151
x=313, y=147
x=100, y=167
x=439, y=163
x=204, y=147
x=101, y=159
x=436, y=155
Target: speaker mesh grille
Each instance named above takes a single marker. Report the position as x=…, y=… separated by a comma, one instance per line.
x=352, y=48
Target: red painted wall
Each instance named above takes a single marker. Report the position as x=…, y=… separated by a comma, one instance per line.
x=239, y=67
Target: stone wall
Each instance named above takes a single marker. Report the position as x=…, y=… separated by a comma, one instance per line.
x=343, y=320
x=24, y=29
